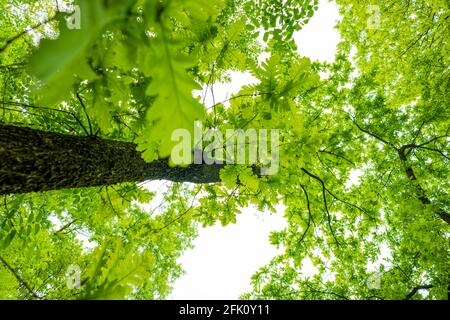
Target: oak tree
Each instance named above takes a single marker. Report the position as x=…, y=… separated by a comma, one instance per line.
x=91, y=92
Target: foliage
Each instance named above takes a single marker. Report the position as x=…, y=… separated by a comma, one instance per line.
x=364, y=151
x=381, y=116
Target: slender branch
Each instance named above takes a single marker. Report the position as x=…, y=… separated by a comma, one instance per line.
x=87, y=115
x=324, y=201
x=435, y=150
x=433, y=139
x=350, y=204
x=416, y=289
x=24, y=105
x=65, y=226
x=344, y=201
x=122, y=121
x=374, y=135
x=418, y=132
x=338, y=156
x=413, y=146
x=246, y=95
x=19, y=35
x=309, y=213
x=110, y=202
x=181, y=215
x=19, y=278
x=413, y=43
x=420, y=192
x=17, y=65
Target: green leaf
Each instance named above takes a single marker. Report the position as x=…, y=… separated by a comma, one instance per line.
x=56, y=62
x=9, y=238
x=174, y=107
x=229, y=176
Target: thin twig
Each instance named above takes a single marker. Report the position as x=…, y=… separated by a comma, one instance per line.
x=324, y=189
x=309, y=213
x=19, y=278
x=87, y=115
x=19, y=35
x=416, y=289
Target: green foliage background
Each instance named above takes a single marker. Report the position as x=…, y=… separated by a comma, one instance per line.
x=128, y=74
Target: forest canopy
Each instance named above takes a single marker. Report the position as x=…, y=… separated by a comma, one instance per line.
x=91, y=92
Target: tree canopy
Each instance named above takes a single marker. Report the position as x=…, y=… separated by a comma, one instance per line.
x=363, y=145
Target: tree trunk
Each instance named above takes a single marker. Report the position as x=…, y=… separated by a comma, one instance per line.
x=420, y=192
x=36, y=161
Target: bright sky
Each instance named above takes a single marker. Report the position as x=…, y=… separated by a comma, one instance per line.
x=224, y=258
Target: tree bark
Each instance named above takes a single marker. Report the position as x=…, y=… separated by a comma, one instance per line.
x=36, y=161
x=420, y=192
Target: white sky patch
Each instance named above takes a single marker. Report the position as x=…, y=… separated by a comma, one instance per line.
x=353, y=178
x=308, y=269
x=56, y=223
x=318, y=40
x=224, y=258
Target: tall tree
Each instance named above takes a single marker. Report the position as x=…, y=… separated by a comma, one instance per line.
x=384, y=116
x=88, y=113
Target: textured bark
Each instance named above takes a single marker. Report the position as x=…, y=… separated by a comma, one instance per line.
x=420, y=192
x=36, y=161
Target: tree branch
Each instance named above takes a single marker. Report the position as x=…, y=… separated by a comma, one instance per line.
x=24, y=105
x=324, y=202
x=19, y=35
x=309, y=213
x=416, y=289
x=66, y=226
x=374, y=135
x=19, y=278
x=420, y=192
x=186, y=211
x=87, y=115
x=338, y=156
